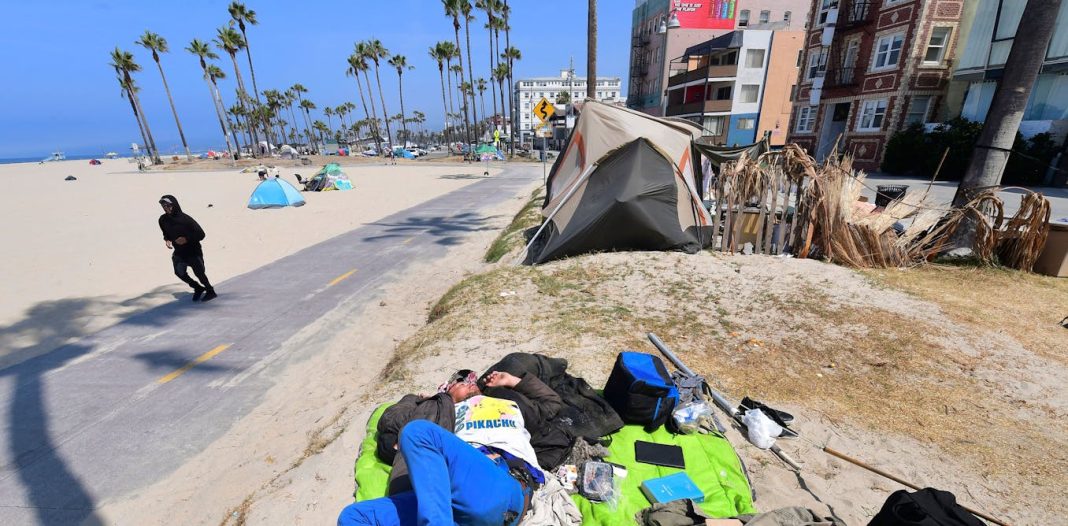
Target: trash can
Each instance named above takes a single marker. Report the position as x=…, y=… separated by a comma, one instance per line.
x=888, y=193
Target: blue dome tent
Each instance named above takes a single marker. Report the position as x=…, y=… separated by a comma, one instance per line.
x=274, y=193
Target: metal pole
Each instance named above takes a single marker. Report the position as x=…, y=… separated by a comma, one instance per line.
x=544, y=156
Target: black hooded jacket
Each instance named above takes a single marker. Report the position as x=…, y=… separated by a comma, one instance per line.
x=178, y=224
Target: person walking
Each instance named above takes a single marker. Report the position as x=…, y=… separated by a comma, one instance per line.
x=183, y=235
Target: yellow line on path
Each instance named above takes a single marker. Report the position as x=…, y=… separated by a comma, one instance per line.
x=338, y=279
x=200, y=359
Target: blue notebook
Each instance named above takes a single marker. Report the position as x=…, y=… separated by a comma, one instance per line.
x=672, y=487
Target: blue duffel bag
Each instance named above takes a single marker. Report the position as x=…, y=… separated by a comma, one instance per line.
x=641, y=390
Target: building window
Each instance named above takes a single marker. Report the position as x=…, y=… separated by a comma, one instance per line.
x=806, y=118
x=746, y=124
x=743, y=18
x=825, y=7
x=872, y=113
x=786, y=17
x=800, y=53
x=936, y=47
x=749, y=93
x=888, y=51
x=714, y=125
x=817, y=64
x=917, y=113
x=765, y=16
x=723, y=93
x=754, y=58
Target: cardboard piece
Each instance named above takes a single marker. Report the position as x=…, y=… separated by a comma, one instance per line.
x=1054, y=258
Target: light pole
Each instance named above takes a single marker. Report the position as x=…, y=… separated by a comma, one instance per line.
x=672, y=22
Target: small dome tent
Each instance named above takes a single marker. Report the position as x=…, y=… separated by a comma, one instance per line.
x=274, y=193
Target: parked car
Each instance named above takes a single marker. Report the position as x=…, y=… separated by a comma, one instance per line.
x=419, y=152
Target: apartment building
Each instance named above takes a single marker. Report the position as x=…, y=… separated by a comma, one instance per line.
x=869, y=69
x=529, y=91
x=662, y=30
x=737, y=86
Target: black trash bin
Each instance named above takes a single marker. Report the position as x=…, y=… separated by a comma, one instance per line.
x=886, y=193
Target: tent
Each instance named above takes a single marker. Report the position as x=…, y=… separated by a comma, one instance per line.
x=287, y=152
x=274, y=193
x=403, y=154
x=625, y=181
x=329, y=177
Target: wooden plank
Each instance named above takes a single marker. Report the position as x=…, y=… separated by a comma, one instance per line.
x=718, y=192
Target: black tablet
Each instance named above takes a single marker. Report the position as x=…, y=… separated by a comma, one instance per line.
x=659, y=454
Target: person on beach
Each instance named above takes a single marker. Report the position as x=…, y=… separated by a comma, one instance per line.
x=480, y=471
x=183, y=235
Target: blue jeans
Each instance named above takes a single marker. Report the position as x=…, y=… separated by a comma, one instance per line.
x=453, y=482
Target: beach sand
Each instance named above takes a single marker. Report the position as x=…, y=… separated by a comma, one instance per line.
x=90, y=251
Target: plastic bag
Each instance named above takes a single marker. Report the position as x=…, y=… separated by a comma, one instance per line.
x=690, y=416
x=598, y=483
x=762, y=430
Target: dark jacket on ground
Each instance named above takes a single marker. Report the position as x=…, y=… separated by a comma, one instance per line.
x=178, y=224
x=537, y=402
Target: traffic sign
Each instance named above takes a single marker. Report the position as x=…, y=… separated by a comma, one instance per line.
x=544, y=109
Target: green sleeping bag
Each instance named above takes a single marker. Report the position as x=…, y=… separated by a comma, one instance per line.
x=710, y=461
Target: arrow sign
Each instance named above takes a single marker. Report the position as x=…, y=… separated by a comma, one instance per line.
x=544, y=109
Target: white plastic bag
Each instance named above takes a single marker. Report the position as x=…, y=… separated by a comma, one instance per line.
x=762, y=430
x=689, y=416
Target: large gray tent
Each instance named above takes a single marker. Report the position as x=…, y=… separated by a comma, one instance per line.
x=625, y=181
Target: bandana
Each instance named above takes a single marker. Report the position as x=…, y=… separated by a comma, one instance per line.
x=166, y=201
x=463, y=376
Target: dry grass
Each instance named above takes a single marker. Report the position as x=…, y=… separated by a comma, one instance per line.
x=511, y=238
x=1027, y=307
x=791, y=336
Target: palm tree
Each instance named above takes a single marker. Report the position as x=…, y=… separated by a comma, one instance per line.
x=500, y=74
x=157, y=44
x=505, y=14
x=490, y=7
x=457, y=9
x=511, y=55
x=468, y=17
x=376, y=52
x=401, y=63
x=329, y=112
x=439, y=53
x=307, y=106
x=322, y=128
x=124, y=64
x=299, y=90
x=214, y=74
x=241, y=14
x=357, y=64
x=231, y=42
x=291, y=97
x=363, y=50
x=480, y=85
x=203, y=52
x=591, y=49
x=126, y=89
x=274, y=104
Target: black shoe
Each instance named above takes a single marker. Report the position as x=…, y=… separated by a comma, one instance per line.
x=209, y=295
x=197, y=293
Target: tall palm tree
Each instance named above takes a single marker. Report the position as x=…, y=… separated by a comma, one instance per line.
x=363, y=50
x=457, y=75
x=125, y=93
x=457, y=9
x=591, y=49
x=490, y=7
x=468, y=17
x=291, y=97
x=214, y=74
x=322, y=128
x=440, y=54
x=299, y=90
x=307, y=106
x=124, y=64
x=400, y=62
x=511, y=55
x=500, y=75
x=243, y=15
x=274, y=102
x=157, y=44
x=506, y=13
x=231, y=42
x=376, y=52
x=357, y=64
x=329, y=112
x=480, y=85
x=203, y=52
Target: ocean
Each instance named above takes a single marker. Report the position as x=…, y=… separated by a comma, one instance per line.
x=74, y=157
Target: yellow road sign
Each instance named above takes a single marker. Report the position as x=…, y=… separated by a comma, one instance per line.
x=544, y=109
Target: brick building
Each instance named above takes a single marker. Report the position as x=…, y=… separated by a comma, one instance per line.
x=870, y=68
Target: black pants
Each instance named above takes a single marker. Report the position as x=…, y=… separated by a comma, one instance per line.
x=181, y=266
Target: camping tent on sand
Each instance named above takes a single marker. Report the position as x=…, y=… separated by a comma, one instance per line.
x=274, y=193
x=625, y=181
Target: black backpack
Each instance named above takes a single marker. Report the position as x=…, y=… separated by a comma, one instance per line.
x=926, y=507
x=641, y=390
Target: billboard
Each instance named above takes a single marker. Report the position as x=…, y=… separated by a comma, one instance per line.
x=704, y=14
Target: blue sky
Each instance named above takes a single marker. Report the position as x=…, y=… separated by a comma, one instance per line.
x=60, y=93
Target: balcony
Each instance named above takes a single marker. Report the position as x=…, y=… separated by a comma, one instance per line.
x=707, y=106
x=840, y=77
x=730, y=70
x=853, y=13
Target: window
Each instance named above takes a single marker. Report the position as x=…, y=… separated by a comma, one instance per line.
x=917, y=113
x=825, y=7
x=765, y=17
x=936, y=47
x=806, y=118
x=786, y=17
x=800, y=53
x=817, y=64
x=888, y=51
x=754, y=58
x=743, y=18
x=749, y=93
x=746, y=124
x=714, y=125
x=872, y=113
x=723, y=93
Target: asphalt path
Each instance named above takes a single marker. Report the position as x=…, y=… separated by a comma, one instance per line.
x=118, y=410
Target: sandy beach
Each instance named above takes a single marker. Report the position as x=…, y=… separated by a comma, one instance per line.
x=89, y=251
